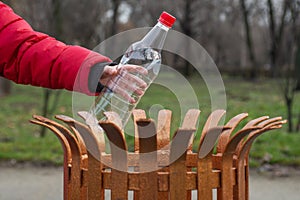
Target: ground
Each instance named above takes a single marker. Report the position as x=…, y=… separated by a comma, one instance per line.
x=23, y=182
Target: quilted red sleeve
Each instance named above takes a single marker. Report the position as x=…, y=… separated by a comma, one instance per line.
x=30, y=57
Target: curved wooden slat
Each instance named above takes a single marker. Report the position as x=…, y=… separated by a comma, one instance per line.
x=256, y=121
x=69, y=192
x=260, y=122
x=163, y=128
x=119, y=174
x=137, y=114
x=94, y=173
x=163, y=140
x=93, y=124
x=84, y=157
x=205, y=174
x=77, y=154
x=191, y=119
x=224, y=138
x=212, y=121
x=70, y=122
x=178, y=170
x=209, y=140
x=148, y=159
x=227, y=162
x=190, y=122
x=115, y=118
x=242, y=186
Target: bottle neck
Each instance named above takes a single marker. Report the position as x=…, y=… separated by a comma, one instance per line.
x=162, y=26
x=155, y=38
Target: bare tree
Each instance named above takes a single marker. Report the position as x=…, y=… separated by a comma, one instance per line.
x=57, y=32
x=290, y=54
x=185, y=22
x=249, y=40
x=114, y=21
x=276, y=33
x=294, y=8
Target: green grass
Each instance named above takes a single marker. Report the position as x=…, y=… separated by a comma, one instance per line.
x=20, y=141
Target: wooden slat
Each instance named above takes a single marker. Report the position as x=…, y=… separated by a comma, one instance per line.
x=224, y=138
x=207, y=143
x=163, y=141
x=97, y=131
x=83, y=177
x=114, y=118
x=227, y=162
x=137, y=114
x=204, y=163
x=256, y=121
x=68, y=185
x=148, y=160
x=242, y=187
x=212, y=120
x=163, y=128
x=163, y=180
x=163, y=159
x=119, y=174
x=191, y=119
x=95, y=188
x=77, y=154
x=178, y=170
x=190, y=122
x=94, y=177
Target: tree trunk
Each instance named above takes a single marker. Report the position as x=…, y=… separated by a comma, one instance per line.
x=114, y=23
x=57, y=22
x=57, y=31
x=249, y=40
x=289, y=103
x=5, y=86
x=276, y=34
x=47, y=108
x=186, y=26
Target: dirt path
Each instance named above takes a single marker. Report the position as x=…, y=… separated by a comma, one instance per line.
x=40, y=183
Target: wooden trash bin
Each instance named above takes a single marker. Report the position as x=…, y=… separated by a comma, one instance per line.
x=160, y=167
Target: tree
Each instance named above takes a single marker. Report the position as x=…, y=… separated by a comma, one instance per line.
x=249, y=39
x=186, y=25
x=290, y=54
x=114, y=23
x=294, y=6
x=57, y=32
x=276, y=33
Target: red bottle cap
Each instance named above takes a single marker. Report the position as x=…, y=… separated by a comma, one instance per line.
x=167, y=19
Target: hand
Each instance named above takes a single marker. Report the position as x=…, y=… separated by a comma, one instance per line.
x=122, y=81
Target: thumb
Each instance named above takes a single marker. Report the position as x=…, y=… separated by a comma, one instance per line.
x=110, y=71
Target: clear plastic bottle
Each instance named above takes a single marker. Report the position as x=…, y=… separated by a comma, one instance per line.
x=145, y=53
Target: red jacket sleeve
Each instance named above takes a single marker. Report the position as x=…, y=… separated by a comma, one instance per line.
x=30, y=57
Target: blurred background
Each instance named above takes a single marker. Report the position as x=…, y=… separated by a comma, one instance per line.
x=254, y=43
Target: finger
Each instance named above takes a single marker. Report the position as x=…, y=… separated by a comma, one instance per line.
x=120, y=91
x=127, y=77
x=134, y=69
x=128, y=85
x=109, y=71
